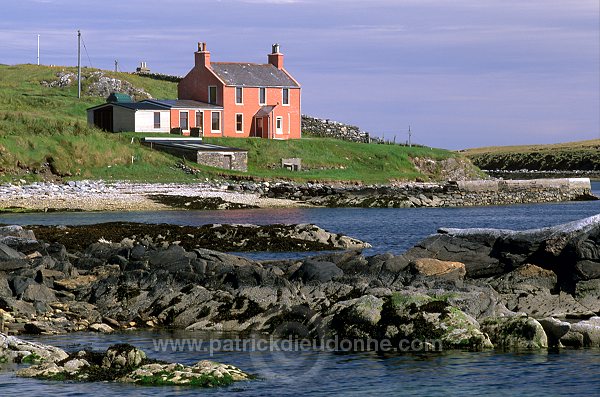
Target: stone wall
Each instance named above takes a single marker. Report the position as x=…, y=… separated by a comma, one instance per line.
x=237, y=161
x=448, y=194
x=333, y=129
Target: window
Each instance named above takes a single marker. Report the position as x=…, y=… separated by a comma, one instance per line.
x=278, y=125
x=285, y=96
x=199, y=120
x=183, y=120
x=156, y=119
x=262, y=96
x=239, y=123
x=216, y=122
x=212, y=94
x=239, y=99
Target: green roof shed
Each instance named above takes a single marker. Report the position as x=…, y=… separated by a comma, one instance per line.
x=117, y=97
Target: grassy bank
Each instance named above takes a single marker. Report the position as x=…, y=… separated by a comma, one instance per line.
x=582, y=155
x=44, y=135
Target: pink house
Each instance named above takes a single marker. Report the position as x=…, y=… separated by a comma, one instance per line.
x=257, y=100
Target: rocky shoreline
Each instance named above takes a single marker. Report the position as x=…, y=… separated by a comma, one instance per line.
x=464, y=289
x=212, y=195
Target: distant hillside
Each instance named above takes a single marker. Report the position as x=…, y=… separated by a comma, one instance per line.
x=44, y=135
x=564, y=159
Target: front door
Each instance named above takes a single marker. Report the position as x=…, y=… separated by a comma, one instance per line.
x=258, y=131
x=279, y=125
x=200, y=122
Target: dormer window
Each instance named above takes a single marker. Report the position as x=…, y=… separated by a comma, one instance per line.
x=262, y=96
x=239, y=95
x=212, y=94
x=285, y=94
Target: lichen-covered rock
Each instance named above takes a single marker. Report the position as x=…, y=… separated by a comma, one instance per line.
x=203, y=374
x=125, y=363
x=122, y=356
x=412, y=316
x=589, y=331
x=516, y=332
x=15, y=350
x=554, y=329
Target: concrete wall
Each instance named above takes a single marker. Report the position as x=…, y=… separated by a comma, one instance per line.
x=449, y=194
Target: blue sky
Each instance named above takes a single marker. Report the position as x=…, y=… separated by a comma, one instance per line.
x=462, y=73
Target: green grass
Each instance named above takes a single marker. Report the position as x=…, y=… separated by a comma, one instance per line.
x=326, y=159
x=582, y=155
x=44, y=129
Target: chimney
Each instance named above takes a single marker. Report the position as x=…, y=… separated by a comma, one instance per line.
x=276, y=57
x=202, y=56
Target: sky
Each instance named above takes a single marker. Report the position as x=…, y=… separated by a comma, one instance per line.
x=461, y=73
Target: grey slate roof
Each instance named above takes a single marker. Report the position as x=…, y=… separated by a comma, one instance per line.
x=140, y=106
x=252, y=75
x=182, y=103
x=190, y=143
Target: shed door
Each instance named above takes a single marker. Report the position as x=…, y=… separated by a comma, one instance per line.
x=227, y=161
x=103, y=118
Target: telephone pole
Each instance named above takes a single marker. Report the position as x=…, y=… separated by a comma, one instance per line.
x=78, y=64
x=38, y=52
x=409, y=136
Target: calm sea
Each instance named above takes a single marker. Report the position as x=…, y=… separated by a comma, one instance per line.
x=564, y=373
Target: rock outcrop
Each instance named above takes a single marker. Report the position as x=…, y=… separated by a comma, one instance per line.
x=457, y=289
x=127, y=364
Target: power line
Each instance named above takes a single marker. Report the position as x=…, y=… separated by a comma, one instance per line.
x=86, y=52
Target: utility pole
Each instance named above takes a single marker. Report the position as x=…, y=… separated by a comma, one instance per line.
x=78, y=64
x=38, y=53
x=409, y=136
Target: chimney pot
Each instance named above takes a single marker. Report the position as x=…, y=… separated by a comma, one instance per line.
x=275, y=48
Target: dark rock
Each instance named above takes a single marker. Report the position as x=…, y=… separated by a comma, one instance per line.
x=7, y=253
x=525, y=278
x=23, y=245
x=57, y=251
x=587, y=293
x=38, y=292
x=587, y=269
x=321, y=272
x=17, y=307
x=13, y=264
x=16, y=231
x=173, y=259
x=5, y=290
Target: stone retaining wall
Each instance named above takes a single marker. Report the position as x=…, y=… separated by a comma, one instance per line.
x=449, y=194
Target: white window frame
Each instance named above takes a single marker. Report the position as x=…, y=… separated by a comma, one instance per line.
x=236, y=123
x=216, y=94
x=283, y=96
x=241, y=102
x=211, y=122
x=279, y=130
x=187, y=120
x=259, y=91
x=154, y=120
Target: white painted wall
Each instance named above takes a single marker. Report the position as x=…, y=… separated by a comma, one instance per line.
x=144, y=121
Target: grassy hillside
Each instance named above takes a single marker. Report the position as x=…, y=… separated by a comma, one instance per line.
x=44, y=134
x=583, y=155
